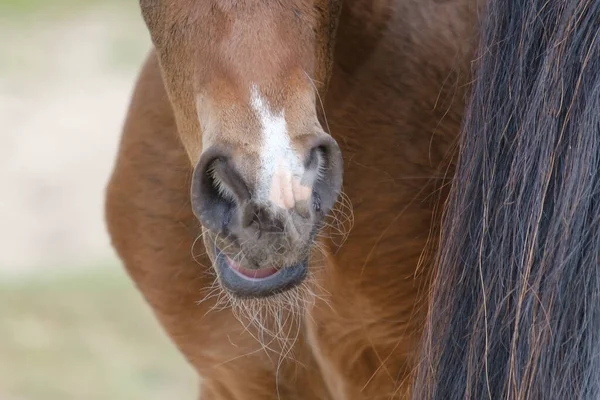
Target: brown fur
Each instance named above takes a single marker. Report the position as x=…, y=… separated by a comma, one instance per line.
x=394, y=105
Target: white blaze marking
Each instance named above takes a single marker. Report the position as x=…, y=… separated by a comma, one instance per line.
x=280, y=168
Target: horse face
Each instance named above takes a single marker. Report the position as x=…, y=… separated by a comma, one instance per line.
x=245, y=79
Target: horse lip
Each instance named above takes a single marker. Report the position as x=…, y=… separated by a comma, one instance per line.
x=251, y=274
x=243, y=286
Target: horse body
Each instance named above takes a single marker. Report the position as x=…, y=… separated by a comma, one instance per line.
x=394, y=106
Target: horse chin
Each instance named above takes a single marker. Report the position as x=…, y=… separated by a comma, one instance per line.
x=260, y=283
x=244, y=283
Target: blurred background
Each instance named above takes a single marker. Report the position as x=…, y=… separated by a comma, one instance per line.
x=72, y=325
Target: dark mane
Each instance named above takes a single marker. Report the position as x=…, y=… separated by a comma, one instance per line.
x=515, y=306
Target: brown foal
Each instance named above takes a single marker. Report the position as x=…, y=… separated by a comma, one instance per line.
x=222, y=204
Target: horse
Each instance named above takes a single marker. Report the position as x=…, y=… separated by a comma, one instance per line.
x=353, y=199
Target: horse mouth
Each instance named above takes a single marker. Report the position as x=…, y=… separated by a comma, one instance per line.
x=259, y=283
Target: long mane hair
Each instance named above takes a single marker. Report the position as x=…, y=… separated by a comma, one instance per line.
x=514, y=308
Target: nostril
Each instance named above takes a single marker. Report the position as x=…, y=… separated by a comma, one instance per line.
x=215, y=172
x=315, y=164
x=324, y=167
x=217, y=190
x=223, y=177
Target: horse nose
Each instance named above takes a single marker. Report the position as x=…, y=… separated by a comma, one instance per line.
x=225, y=201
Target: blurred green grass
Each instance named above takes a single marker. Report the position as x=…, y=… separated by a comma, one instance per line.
x=38, y=38
x=85, y=335
x=12, y=8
